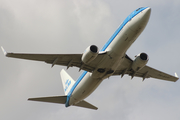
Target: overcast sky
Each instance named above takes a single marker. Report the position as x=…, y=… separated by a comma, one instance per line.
x=70, y=26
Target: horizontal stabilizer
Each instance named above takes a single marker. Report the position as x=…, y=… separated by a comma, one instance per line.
x=54, y=99
x=62, y=100
x=86, y=105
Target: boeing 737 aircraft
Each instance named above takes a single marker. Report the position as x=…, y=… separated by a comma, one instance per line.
x=98, y=65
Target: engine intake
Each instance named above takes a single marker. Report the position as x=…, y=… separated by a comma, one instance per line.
x=140, y=61
x=94, y=48
x=143, y=56
x=90, y=54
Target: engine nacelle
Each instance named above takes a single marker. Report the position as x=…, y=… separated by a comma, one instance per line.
x=90, y=54
x=140, y=61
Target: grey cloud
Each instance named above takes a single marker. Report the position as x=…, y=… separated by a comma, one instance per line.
x=70, y=27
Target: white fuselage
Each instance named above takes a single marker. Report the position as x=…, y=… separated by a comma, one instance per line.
x=116, y=51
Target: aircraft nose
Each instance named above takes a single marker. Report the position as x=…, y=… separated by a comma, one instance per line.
x=147, y=13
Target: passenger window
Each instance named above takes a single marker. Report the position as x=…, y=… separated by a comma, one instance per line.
x=138, y=8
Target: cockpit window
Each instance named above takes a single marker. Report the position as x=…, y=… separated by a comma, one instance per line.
x=138, y=8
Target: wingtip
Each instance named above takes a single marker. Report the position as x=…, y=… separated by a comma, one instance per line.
x=176, y=75
x=5, y=53
x=30, y=99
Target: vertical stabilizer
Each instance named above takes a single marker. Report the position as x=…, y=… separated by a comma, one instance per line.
x=67, y=81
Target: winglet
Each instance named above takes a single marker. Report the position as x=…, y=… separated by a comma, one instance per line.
x=5, y=53
x=176, y=75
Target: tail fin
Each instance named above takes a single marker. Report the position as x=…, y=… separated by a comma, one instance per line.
x=67, y=81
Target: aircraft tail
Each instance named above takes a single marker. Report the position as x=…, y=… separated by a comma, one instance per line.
x=62, y=100
x=67, y=81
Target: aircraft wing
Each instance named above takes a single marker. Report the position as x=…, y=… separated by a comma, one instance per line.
x=145, y=72
x=68, y=60
x=71, y=60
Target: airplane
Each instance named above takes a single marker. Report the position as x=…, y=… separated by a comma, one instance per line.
x=98, y=64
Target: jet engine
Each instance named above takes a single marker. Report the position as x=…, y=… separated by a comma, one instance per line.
x=140, y=61
x=90, y=54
